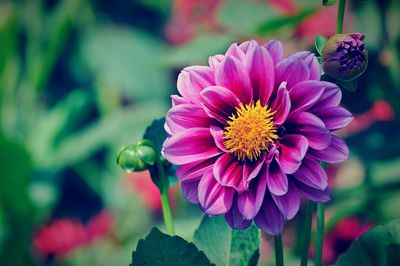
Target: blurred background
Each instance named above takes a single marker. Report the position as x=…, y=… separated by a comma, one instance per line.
x=79, y=79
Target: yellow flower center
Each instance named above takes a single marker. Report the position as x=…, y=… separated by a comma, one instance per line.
x=250, y=131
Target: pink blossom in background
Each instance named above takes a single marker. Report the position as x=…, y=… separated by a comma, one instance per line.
x=140, y=183
x=63, y=236
x=188, y=17
x=339, y=238
x=249, y=130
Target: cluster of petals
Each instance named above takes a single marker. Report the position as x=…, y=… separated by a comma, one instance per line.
x=305, y=111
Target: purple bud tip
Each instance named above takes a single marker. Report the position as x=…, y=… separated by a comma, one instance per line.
x=344, y=56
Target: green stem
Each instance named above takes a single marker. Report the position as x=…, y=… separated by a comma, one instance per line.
x=165, y=203
x=307, y=233
x=278, y=250
x=340, y=16
x=320, y=234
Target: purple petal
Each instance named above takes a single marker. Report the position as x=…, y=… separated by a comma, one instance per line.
x=311, y=61
x=336, y=152
x=192, y=80
x=218, y=135
x=190, y=190
x=275, y=48
x=289, y=203
x=215, y=60
x=249, y=201
x=277, y=180
x=291, y=70
x=334, y=118
x=312, y=193
x=231, y=74
x=331, y=96
x=185, y=116
x=194, y=170
x=270, y=218
x=235, y=51
x=251, y=170
x=235, y=219
x=219, y=103
x=260, y=67
x=189, y=146
x=310, y=126
x=312, y=174
x=214, y=198
x=292, y=151
x=248, y=45
x=281, y=105
x=228, y=171
x=304, y=94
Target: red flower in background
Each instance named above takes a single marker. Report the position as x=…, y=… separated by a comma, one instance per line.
x=339, y=238
x=140, y=183
x=63, y=236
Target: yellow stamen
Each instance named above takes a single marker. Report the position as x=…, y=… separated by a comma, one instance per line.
x=250, y=131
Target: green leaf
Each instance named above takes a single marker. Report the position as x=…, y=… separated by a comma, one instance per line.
x=273, y=25
x=225, y=246
x=156, y=133
x=329, y=2
x=379, y=246
x=320, y=43
x=159, y=249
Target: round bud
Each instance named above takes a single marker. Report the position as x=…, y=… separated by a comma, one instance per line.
x=136, y=157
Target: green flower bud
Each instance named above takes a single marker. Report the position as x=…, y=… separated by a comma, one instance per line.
x=137, y=157
x=344, y=56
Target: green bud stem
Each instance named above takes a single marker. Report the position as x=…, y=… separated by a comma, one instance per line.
x=307, y=233
x=340, y=16
x=320, y=234
x=278, y=245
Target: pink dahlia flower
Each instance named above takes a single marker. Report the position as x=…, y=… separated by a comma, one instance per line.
x=249, y=130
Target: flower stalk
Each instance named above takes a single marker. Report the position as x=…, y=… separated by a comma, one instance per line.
x=340, y=16
x=307, y=233
x=278, y=250
x=320, y=234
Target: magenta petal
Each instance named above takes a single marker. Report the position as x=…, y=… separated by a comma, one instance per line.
x=185, y=116
x=292, y=151
x=218, y=135
x=249, y=201
x=291, y=70
x=219, y=103
x=248, y=45
x=311, y=60
x=235, y=219
x=334, y=118
x=281, y=105
x=270, y=218
x=231, y=74
x=190, y=190
x=312, y=174
x=260, y=67
x=312, y=193
x=331, y=96
x=336, y=152
x=214, y=198
x=235, y=51
x=192, y=80
x=304, y=94
x=277, y=180
x=310, y=126
x=177, y=100
x=289, y=203
x=194, y=170
x=275, y=48
x=191, y=145
x=251, y=170
x=215, y=60
x=228, y=171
